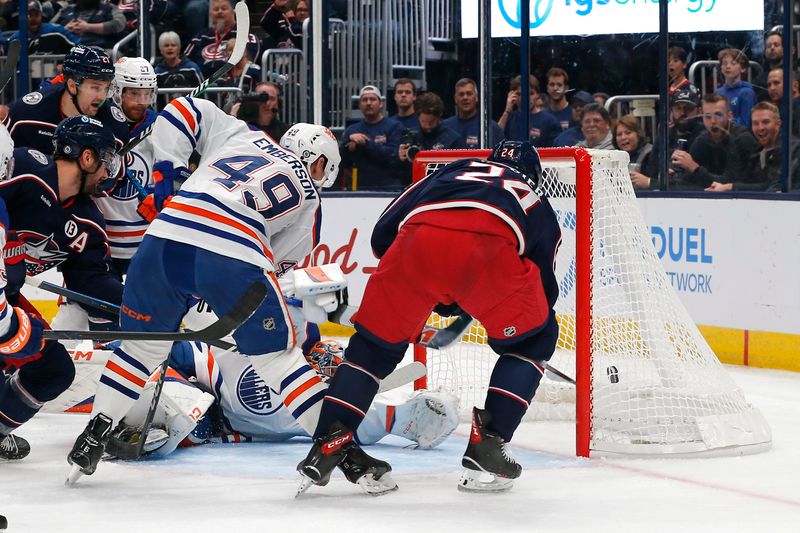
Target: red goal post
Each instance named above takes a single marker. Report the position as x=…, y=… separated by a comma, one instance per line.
x=647, y=382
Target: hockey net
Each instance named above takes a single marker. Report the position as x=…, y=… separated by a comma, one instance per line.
x=647, y=381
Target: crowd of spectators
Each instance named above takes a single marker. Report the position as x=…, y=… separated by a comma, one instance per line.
x=720, y=140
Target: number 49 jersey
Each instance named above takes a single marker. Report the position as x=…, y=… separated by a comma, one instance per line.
x=249, y=198
x=476, y=184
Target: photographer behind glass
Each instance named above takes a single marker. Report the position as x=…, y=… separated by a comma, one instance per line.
x=431, y=135
x=260, y=110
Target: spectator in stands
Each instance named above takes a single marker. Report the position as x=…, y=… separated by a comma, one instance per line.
x=542, y=127
x=557, y=88
x=629, y=136
x=245, y=74
x=676, y=68
x=95, y=23
x=173, y=70
x=775, y=91
x=573, y=135
x=596, y=128
x=722, y=153
x=208, y=48
x=45, y=38
x=601, y=98
x=405, y=94
x=159, y=9
x=466, y=121
x=685, y=126
x=283, y=23
x=260, y=110
x=432, y=135
x=369, y=146
x=765, y=174
x=741, y=98
x=773, y=54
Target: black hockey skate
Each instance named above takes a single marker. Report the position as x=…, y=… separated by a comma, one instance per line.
x=89, y=447
x=489, y=466
x=371, y=474
x=326, y=453
x=13, y=448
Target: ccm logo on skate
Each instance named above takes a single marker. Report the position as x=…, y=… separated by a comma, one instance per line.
x=134, y=314
x=330, y=447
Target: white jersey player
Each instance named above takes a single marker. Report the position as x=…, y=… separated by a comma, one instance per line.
x=249, y=211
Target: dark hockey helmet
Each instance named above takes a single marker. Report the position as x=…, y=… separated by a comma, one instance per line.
x=88, y=62
x=520, y=155
x=74, y=134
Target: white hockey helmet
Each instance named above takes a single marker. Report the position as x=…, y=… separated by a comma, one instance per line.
x=309, y=142
x=133, y=72
x=6, y=154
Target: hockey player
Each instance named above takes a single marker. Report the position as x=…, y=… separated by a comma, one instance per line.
x=54, y=223
x=474, y=234
x=251, y=210
x=88, y=72
x=134, y=91
x=20, y=332
x=244, y=409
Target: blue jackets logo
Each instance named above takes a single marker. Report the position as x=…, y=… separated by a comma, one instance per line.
x=540, y=10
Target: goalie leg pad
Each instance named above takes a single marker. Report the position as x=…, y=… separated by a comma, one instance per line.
x=427, y=418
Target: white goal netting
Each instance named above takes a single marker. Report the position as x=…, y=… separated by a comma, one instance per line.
x=656, y=386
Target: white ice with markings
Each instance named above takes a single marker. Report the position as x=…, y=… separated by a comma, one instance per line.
x=251, y=487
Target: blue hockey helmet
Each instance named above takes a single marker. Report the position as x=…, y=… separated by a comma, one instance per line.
x=520, y=155
x=75, y=134
x=88, y=62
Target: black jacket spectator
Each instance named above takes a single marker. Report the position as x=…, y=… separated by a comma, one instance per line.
x=724, y=162
x=96, y=23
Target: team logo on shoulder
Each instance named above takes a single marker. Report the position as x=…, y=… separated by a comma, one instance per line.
x=255, y=395
x=32, y=98
x=118, y=114
x=38, y=156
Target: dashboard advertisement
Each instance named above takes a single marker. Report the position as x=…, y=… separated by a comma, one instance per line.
x=607, y=17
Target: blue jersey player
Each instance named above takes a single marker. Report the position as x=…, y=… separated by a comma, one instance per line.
x=51, y=222
x=474, y=234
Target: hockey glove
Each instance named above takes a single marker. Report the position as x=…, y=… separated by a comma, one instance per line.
x=147, y=209
x=164, y=176
x=23, y=339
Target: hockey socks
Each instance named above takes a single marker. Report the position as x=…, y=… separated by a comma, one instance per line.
x=17, y=405
x=511, y=388
x=350, y=394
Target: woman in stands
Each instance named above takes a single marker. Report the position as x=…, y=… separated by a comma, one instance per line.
x=629, y=136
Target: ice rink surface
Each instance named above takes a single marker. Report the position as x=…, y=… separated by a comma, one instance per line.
x=251, y=487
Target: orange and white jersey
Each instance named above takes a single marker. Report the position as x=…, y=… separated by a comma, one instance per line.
x=249, y=198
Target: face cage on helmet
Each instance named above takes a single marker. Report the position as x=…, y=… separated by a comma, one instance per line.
x=113, y=163
x=8, y=168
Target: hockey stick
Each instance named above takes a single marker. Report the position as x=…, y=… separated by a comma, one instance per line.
x=72, y=295
x=240, y=312
x=242, y=33
x=10, y=66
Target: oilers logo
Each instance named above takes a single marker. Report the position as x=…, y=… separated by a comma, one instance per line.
x=139, y=169
x=254, y=395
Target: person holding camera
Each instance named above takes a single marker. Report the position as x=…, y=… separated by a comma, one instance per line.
x=432, y=135
x=369, y=146
x=543, y=127
x=260, y=110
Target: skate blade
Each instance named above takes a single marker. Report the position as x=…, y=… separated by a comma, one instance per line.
x=305, y=484
x=73, y=476
x=476, y=481
x=377, y=487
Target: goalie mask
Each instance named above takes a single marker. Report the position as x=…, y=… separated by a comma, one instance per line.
x=520, y=155
x=309, y=142
x=325, y=357
x=133, y=73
